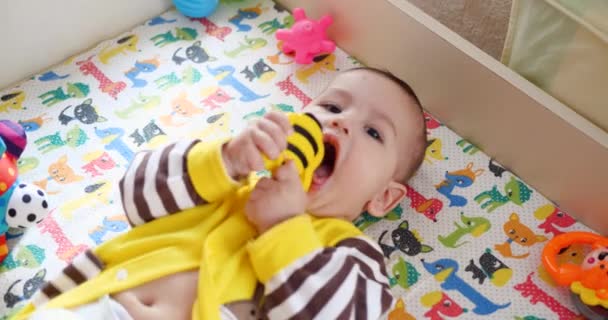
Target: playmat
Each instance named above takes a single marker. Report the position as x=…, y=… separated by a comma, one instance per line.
x=175, y=77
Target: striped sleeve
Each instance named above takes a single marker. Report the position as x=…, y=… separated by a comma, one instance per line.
x=164, y=181
x=348, y=281
x=83, y=268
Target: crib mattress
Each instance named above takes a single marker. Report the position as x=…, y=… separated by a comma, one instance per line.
x=175, y=77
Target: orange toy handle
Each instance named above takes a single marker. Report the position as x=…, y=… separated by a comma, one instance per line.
x=567, y=273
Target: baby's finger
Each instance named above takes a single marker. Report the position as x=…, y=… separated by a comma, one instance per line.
x=275, y=132
x=265, y=144
x=287, y=172
x=250, y=205
x=261, y=188
x=264, y=184
x=254, y=195
x=280, y=119
x=253, y=157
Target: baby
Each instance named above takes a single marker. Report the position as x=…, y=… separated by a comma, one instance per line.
x=211, y=243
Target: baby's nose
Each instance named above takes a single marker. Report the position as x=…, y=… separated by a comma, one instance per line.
x=340, y=126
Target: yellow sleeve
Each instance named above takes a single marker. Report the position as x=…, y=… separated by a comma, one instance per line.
x=282, y=245
x=208, y=173
x=331, y=252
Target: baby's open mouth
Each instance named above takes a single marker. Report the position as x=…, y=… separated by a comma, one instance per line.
x=326, y=169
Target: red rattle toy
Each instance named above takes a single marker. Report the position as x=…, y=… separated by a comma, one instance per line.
x=589, y=281
x=307, y=38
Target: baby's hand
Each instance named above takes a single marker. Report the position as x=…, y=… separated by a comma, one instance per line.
x=268, y=136
x=276, y=199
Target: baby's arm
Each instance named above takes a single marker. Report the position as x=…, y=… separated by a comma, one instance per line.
x=303, y=280
x=174, y=178
x=192, y=173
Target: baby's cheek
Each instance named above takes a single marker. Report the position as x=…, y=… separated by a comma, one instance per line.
x=363, y=172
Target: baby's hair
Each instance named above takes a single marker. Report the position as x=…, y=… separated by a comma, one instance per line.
x=421, y=141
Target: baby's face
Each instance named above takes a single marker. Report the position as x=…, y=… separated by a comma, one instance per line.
x=368, y=122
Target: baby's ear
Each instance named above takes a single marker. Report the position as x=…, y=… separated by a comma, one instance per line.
x=387, y=199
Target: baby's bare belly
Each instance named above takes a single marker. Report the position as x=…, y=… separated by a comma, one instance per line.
x=170, y=297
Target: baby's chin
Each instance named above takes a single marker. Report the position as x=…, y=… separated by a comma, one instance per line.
x=326, y=204
x=321, y=213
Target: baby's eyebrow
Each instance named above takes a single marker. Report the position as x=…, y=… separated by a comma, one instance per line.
x=345, y=95
x=386, y=119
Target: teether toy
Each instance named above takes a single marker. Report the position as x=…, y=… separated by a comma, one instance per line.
x=304, y=147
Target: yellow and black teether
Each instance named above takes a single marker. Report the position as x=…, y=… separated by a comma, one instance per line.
x=304, y=147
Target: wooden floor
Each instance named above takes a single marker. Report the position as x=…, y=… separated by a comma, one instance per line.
x=482, y=22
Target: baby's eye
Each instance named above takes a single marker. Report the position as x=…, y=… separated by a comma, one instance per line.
x=331, y=108
x=374, y=134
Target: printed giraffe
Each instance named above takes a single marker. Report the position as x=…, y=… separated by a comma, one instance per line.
x=289, y=89
x=87, y=67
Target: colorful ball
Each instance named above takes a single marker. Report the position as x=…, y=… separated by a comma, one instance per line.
x=14, y=137
x=196, y=8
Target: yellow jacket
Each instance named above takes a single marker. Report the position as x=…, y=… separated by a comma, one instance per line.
x=197, y=221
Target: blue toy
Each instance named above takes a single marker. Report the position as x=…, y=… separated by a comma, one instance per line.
x=196, y=8
x=22, y=205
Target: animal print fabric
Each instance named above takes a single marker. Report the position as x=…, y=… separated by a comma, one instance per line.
x=464, y=244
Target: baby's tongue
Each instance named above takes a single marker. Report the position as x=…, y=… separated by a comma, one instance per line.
x=321, y=174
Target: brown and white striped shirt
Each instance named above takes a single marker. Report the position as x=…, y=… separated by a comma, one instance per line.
x=345, y=281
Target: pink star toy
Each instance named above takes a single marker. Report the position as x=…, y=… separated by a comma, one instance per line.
x=307, y=38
